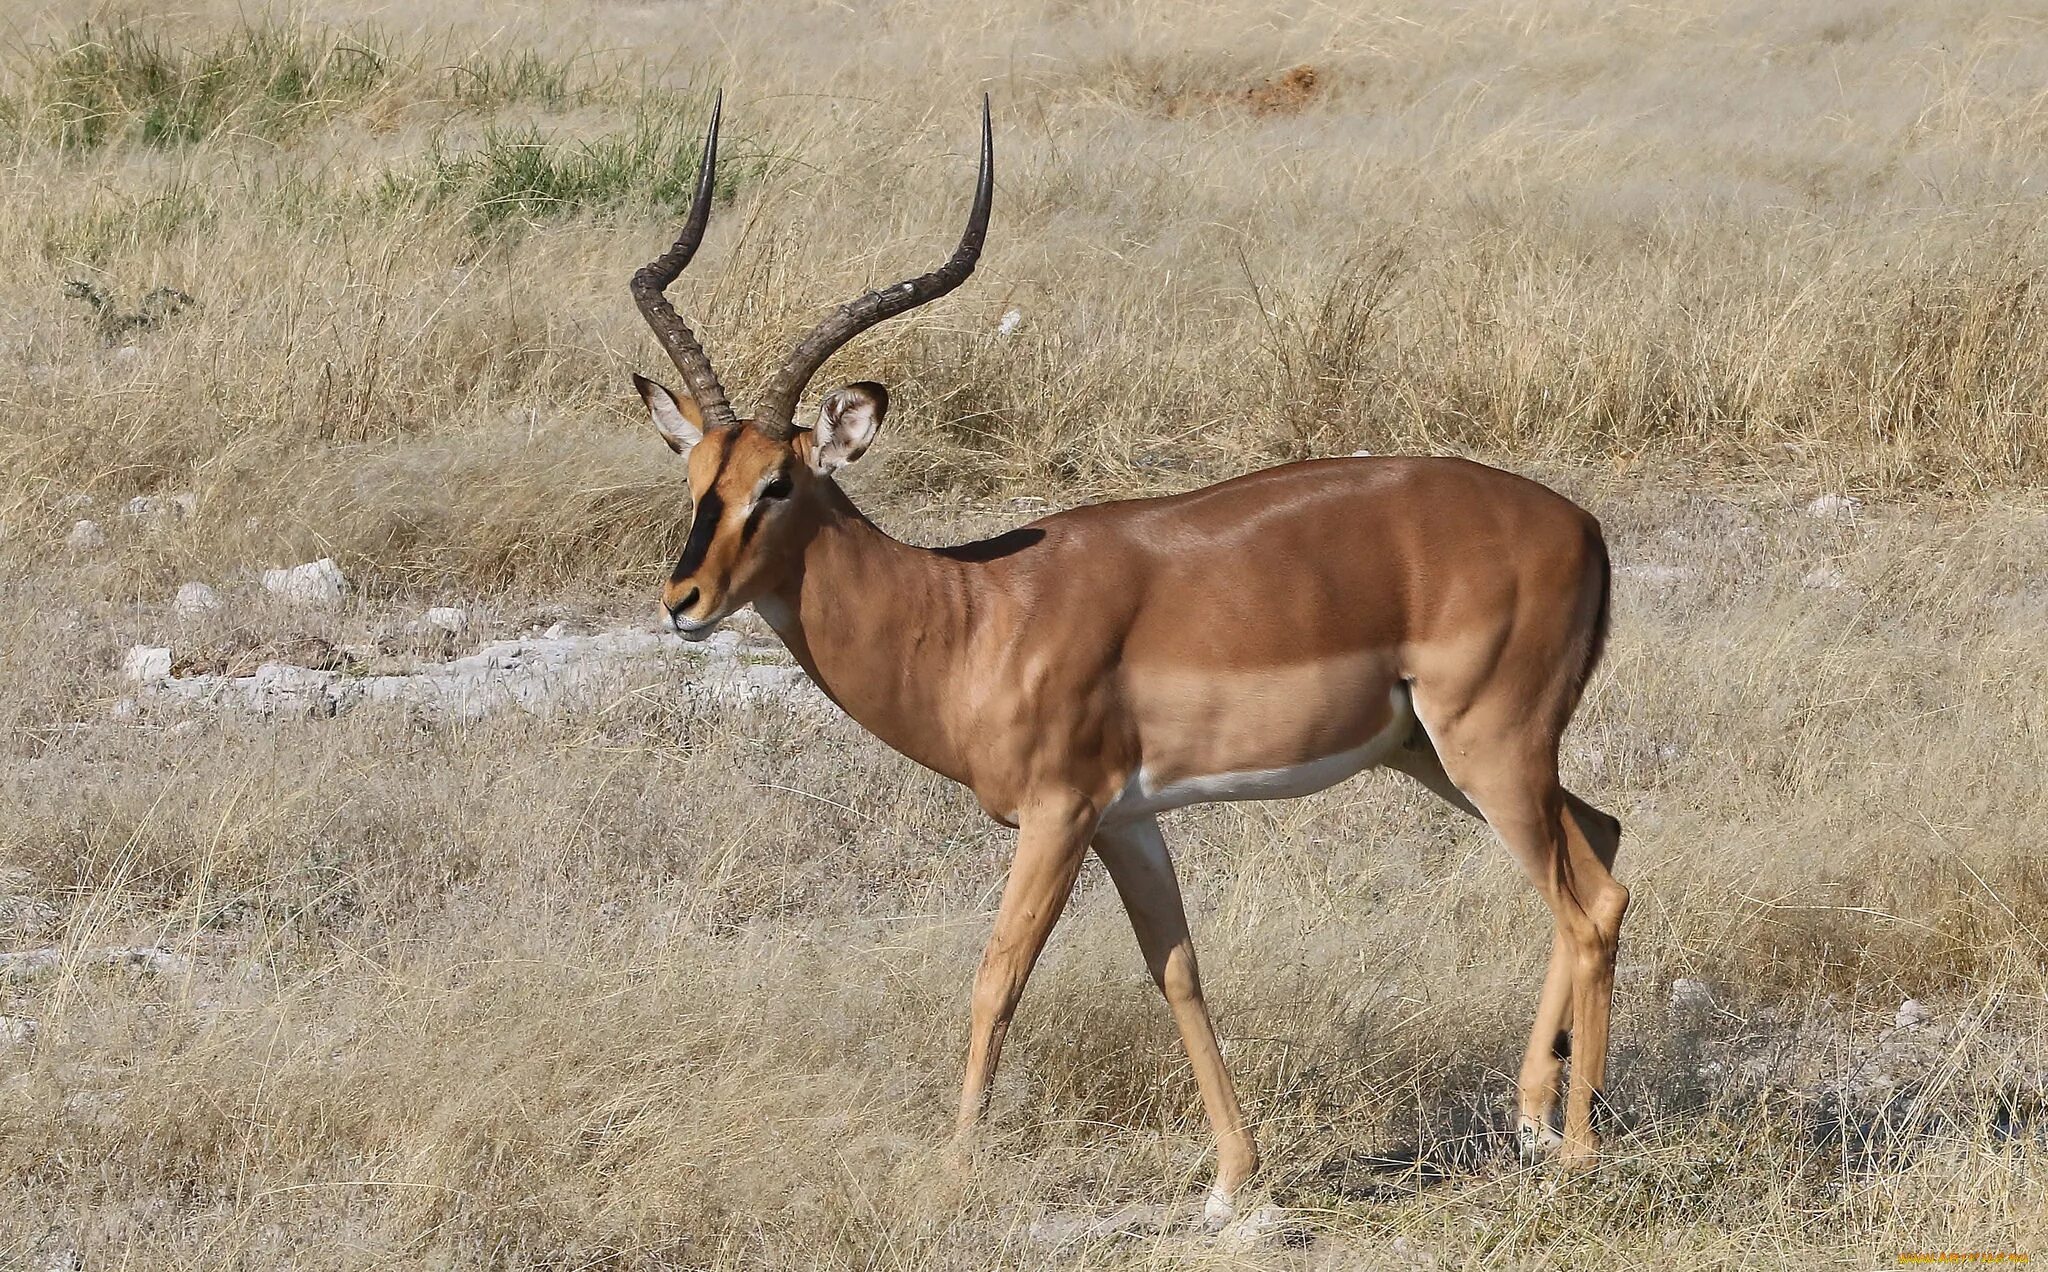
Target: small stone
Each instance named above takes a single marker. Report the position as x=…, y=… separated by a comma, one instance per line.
x=1826, y=576
x=446, y=618
x=1912, y=1014
x=1361, y=454
x=1833, y=507
x=194, y=599
x=18, y=1031
x=555, y=631
x=85, y=536
x=126, y=710
x=1011, y=320
x=147, y=664
x=314, y=583
x=1688, y=994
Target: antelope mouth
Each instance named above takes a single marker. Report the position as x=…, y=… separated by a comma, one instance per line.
x=693, y=629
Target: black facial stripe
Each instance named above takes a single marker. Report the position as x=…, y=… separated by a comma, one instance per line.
x=710, y=509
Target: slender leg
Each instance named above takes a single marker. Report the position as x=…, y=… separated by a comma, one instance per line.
x=1550, y=1039
x=1050, y=846
x=1587, y=904
x=1142, y=869
x=1592, y=838
x=1543, y=1061
x=1567, y=846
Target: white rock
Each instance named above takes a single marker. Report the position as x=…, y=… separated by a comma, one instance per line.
x=1826, y=576
x=1361, y=454
x=127, y=710
x=147, y=664
x=1833, y=507
x=1010, y=322
x=194, y=599
x=314, y=583
x=85, y=536
x=446, y=618
x=1912, y=1014
x=18, y=1031
x=1688, y=994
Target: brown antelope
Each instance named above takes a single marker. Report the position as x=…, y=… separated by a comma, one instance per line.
x=1264, y=637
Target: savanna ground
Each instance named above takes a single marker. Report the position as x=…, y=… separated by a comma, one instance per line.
x=653, y=983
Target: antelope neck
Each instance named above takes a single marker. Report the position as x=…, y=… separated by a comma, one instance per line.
x=883, y=628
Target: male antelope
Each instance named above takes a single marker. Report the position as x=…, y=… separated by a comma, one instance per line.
x=1264, y=637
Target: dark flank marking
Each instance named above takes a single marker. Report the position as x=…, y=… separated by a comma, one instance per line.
x=997, y=548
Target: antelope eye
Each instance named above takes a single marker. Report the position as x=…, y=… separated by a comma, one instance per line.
x=777, y=489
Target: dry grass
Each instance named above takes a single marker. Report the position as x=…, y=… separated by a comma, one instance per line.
x=668, y=986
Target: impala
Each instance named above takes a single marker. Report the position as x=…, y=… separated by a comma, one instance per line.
x=1260, y=638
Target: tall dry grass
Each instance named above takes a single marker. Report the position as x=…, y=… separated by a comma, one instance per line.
x=657, y=985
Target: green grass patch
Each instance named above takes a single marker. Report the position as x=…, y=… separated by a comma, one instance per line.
x=127, y=82
x=519, y=177
x=106, y=85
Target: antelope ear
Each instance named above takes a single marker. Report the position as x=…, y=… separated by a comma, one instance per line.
x=678, y=420
x=847, y=422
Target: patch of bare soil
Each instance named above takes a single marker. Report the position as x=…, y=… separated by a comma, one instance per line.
x=1289, y=93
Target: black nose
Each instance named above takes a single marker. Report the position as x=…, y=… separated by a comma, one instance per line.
x=676, y=609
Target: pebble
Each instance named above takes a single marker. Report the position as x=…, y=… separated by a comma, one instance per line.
x=147, y=664
x=314, y=583
x=194, y=599
x=1912, y=1014
x=446, y=618
x=85, y=536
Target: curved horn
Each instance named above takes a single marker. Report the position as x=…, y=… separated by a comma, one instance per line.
x=778, y=402
x=653, y=278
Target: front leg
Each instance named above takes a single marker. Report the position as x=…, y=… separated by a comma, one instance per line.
x=1051, y=841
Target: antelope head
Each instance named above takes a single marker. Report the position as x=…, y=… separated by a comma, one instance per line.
x=759, y=485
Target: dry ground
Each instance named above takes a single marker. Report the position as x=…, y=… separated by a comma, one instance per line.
x=656, y=984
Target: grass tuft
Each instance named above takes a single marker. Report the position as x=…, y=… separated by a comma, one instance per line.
x=525, y=176
x=107, y=85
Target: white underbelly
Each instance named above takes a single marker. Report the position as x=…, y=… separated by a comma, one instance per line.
x=1144, y=795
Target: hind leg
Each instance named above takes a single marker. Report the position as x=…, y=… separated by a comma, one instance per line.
x=1550, y=1036
x=1565, y=846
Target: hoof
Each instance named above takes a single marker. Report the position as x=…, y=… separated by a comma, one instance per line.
x=1218, y=1211
x=1534, y=1139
